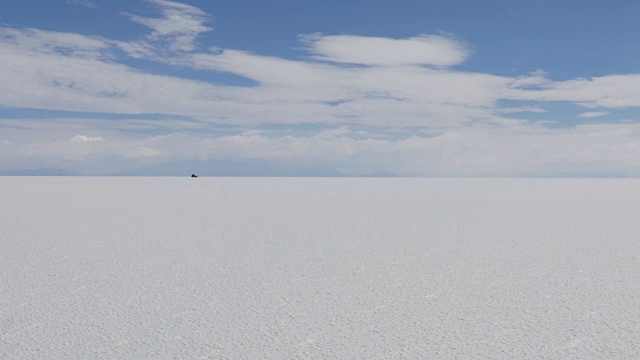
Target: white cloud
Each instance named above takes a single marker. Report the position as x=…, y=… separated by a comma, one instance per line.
x=523, y=109
x=179, y=27
x=420, y=50
x=137, y=49
x=611, y=91
x=537, y=79
x=327, y=93
x=62, y=81
x=85, y=138
x=85, y=3
x=35, y=42
x=592, y=114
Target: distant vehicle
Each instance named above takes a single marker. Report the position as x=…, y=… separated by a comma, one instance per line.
x=194, y=175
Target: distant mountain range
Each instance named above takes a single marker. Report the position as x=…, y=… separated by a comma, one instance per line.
x=379, y=173
x=37, y=172
x=240, y=168
x=231, y=168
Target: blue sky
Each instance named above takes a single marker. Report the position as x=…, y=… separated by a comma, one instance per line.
x=412, y=88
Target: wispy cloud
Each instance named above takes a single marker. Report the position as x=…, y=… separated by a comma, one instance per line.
x=85, y=138
x=592, y=114
x=178, y=28
x=420, y=50
x=39, y=42
x=86, y=3
x=610, y=91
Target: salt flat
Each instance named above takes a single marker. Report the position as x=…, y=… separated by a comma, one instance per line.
x=255, y=268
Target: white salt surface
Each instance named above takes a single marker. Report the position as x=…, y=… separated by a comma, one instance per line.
x=224, y=268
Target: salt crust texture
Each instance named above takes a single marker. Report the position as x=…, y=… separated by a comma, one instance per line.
x=254, y=268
